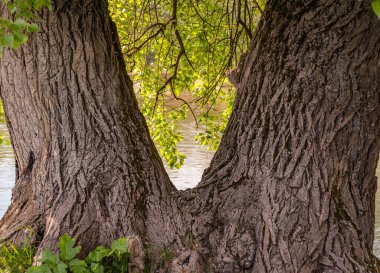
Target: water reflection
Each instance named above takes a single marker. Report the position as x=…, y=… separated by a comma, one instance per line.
x=7, y=171
x=197, y=158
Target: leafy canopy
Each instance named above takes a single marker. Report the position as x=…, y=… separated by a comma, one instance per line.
x=178, y=53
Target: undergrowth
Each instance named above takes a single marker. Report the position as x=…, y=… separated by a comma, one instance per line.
x=101, y=260
x=16, y=259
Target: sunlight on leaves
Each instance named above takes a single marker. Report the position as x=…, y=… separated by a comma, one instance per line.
x=178, y=54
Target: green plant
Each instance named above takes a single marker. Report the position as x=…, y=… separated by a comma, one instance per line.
x=178, y=53
x=102, y=259
x=15, y=30
x=16, y=259
x=376, y=7
x=1, y=111
x=190, y=240
x=166, y=255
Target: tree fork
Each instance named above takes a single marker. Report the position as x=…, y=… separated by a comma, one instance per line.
x=292, y=186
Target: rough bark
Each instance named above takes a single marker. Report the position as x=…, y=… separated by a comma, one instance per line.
x=293, y=183
x=86, y=164
x=291, y=189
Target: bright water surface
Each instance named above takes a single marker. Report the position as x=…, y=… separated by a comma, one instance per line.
x=197, y=159
x=7, y=171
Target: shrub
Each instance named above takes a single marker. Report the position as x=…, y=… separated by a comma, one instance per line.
x=100, y=260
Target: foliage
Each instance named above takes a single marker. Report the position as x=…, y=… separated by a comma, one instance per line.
x=16, y=259
x=5, y=140
x=376, y=7
x=15, y=29
x=178, y=53
x=2, y=119
x=1, y=112
x=19, y=259
x=102, y=259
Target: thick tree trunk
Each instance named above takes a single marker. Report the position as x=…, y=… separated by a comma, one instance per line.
x=293, y=183
x=291, y=189
x=86, y=164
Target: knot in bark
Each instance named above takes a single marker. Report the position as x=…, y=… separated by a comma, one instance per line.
x=137, y=254
x=189, y=261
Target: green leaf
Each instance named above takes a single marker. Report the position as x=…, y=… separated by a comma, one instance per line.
x=376, y=7
x=120, y=245
x=20, y=38
x=47, y=257
x=13, y=8
x=38, y=4
x=97, y=268
x=66, y=245
x=8, y=40
x=78, y=266
x=98, y=254
x=18, y=25
x=62, y=267
x=32, y=27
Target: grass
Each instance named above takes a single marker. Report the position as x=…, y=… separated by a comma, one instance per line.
x=166, y=255
x=16, y=259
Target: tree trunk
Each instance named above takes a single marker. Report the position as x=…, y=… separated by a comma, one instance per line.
x=293, y=183
x=291, y=189
x=86, y=164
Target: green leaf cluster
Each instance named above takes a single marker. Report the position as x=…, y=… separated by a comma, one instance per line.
x=178, y=53
x=5, y=140
x=2, y=116
x=166, y=136
x=15, y=28
x=2, y=119
x=100, y=260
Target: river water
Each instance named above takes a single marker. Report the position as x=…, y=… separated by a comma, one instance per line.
x=7, y=170
x=197, y=159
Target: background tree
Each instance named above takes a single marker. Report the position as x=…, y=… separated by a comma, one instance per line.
x=291, y=188
x=179, y=53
